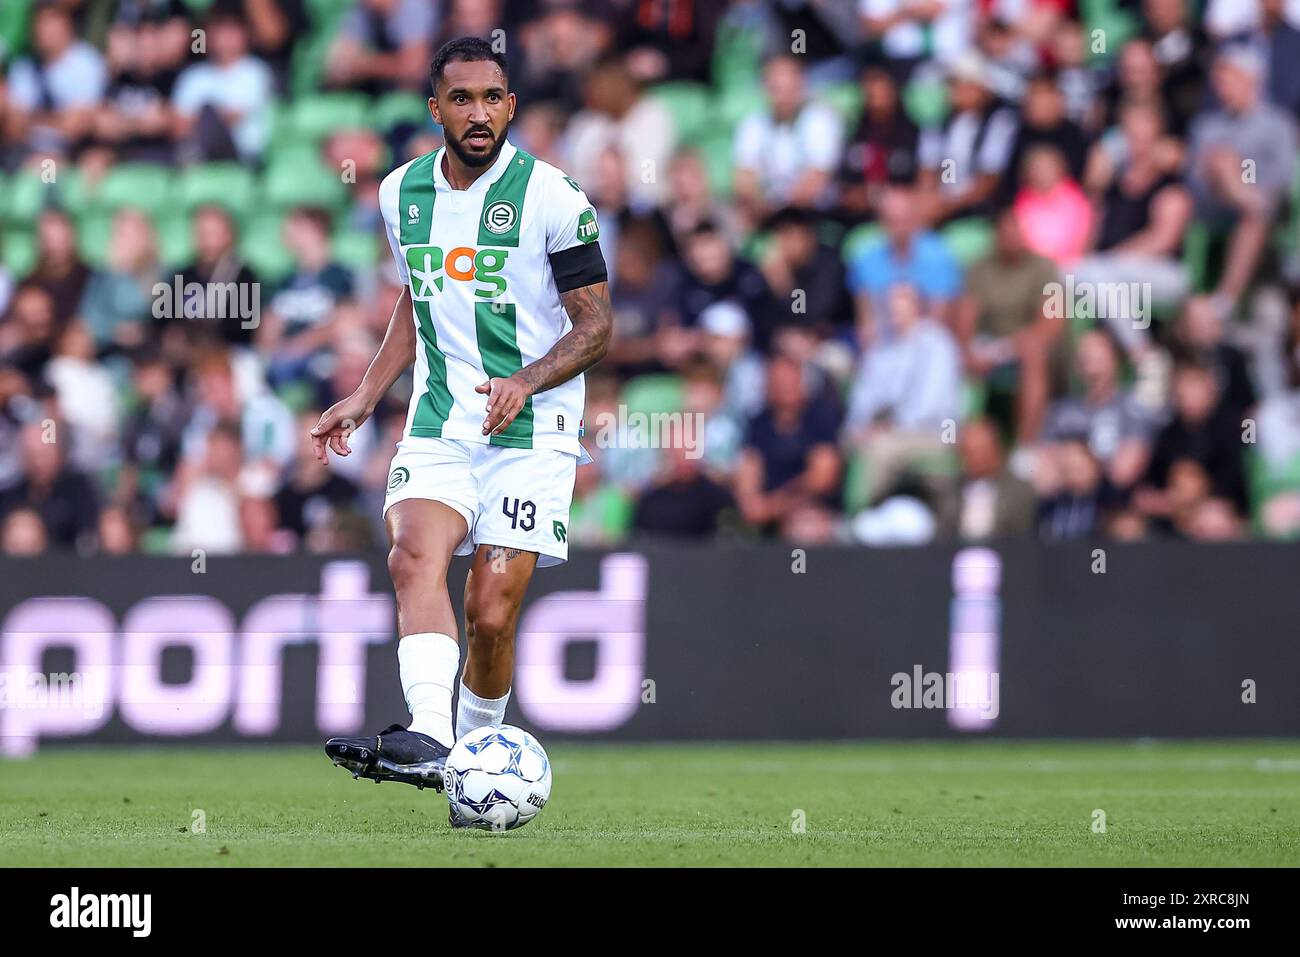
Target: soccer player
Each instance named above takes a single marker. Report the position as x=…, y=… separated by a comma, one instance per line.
x=506, y=306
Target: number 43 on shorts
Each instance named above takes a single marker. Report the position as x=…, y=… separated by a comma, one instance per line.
x=523, y=516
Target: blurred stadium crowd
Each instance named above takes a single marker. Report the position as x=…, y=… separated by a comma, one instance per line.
x=926, y=268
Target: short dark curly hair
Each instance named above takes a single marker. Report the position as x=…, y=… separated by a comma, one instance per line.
x=463, y=50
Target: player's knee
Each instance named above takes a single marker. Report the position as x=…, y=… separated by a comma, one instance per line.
x=489, y=628
x=410, y=567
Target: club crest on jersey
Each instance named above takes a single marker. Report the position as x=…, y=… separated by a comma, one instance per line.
x=500, y=217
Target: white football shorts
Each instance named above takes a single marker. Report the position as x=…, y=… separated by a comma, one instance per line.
x=516, y=498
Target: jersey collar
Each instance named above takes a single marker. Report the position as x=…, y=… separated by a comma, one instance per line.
x=493, y=173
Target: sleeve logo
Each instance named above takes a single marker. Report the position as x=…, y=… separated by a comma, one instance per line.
x=588, y=231
x=500, y=217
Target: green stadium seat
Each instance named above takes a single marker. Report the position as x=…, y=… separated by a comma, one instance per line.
x=140, y=186
x=857, y=238
x=303, y=184
x=29, y=194
x=716, y=151
x=314, y=117
x=356, y=250
x=968, y=239
x=229, y=185
x=845, y=99
x=689, y=104
x=655, y=393
x=94, y=237
x=395, y=108
x=261, y=242
x=175, y=239
x=926, y=104
x=18, y=251
x=735, y=104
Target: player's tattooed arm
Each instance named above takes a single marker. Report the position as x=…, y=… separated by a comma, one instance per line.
x=577, y=351
x=394, y=357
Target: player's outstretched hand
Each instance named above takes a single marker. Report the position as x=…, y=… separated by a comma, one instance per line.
x=335, y=426
x=506, y=397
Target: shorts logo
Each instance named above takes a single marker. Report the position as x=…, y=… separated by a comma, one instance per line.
x=399, y=478
x=561, y=533
x=500, y=217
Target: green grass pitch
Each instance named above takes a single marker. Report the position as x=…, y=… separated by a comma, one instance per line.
x=890, y=804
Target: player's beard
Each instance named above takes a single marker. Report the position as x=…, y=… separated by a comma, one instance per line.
x=473, y=160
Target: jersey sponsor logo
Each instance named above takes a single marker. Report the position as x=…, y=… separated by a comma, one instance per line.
x=430, y=266
x=559, y=423
x=401, y=475
x=500, y=217
x=588, y=231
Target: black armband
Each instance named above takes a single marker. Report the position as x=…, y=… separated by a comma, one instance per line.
x=578, y=266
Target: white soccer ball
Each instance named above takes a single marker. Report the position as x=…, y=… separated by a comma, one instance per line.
x=498, y=777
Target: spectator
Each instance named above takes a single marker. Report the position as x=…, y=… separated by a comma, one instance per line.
x=1144, y=211
x=1105, y=417
x=905, y=398
x=805, y=281
x=59, y=269
x=87, y=397
x=993, y=503
x=962, y=162
x=28, y=333
x=621, y=115
x=1278, y=42
x=1243, y=129
x=309, y=493
x=908, y=31
x=903, y=254
x=789, y=457
x=667, y=41
x=881, y=151
x=223, y=102
x=1199, y=335
x=1044, y=122
x=147, y=46
x=226, y=286
x=1205, y=431
x=204, y=496
x=787, y=153
x=22, y=533
x=63, y=498
x=1009, y=337
x=683, y=502
x=299, y=319
x=383, y=45
x=1074, y=509
x=1054, y=214
x=713, y=274
x=118, y=300
x=53, y=96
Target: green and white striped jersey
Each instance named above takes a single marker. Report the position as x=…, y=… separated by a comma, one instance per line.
x=483, y=293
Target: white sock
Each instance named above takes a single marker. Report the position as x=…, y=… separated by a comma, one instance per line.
x=475, y=712
x=428, y=664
